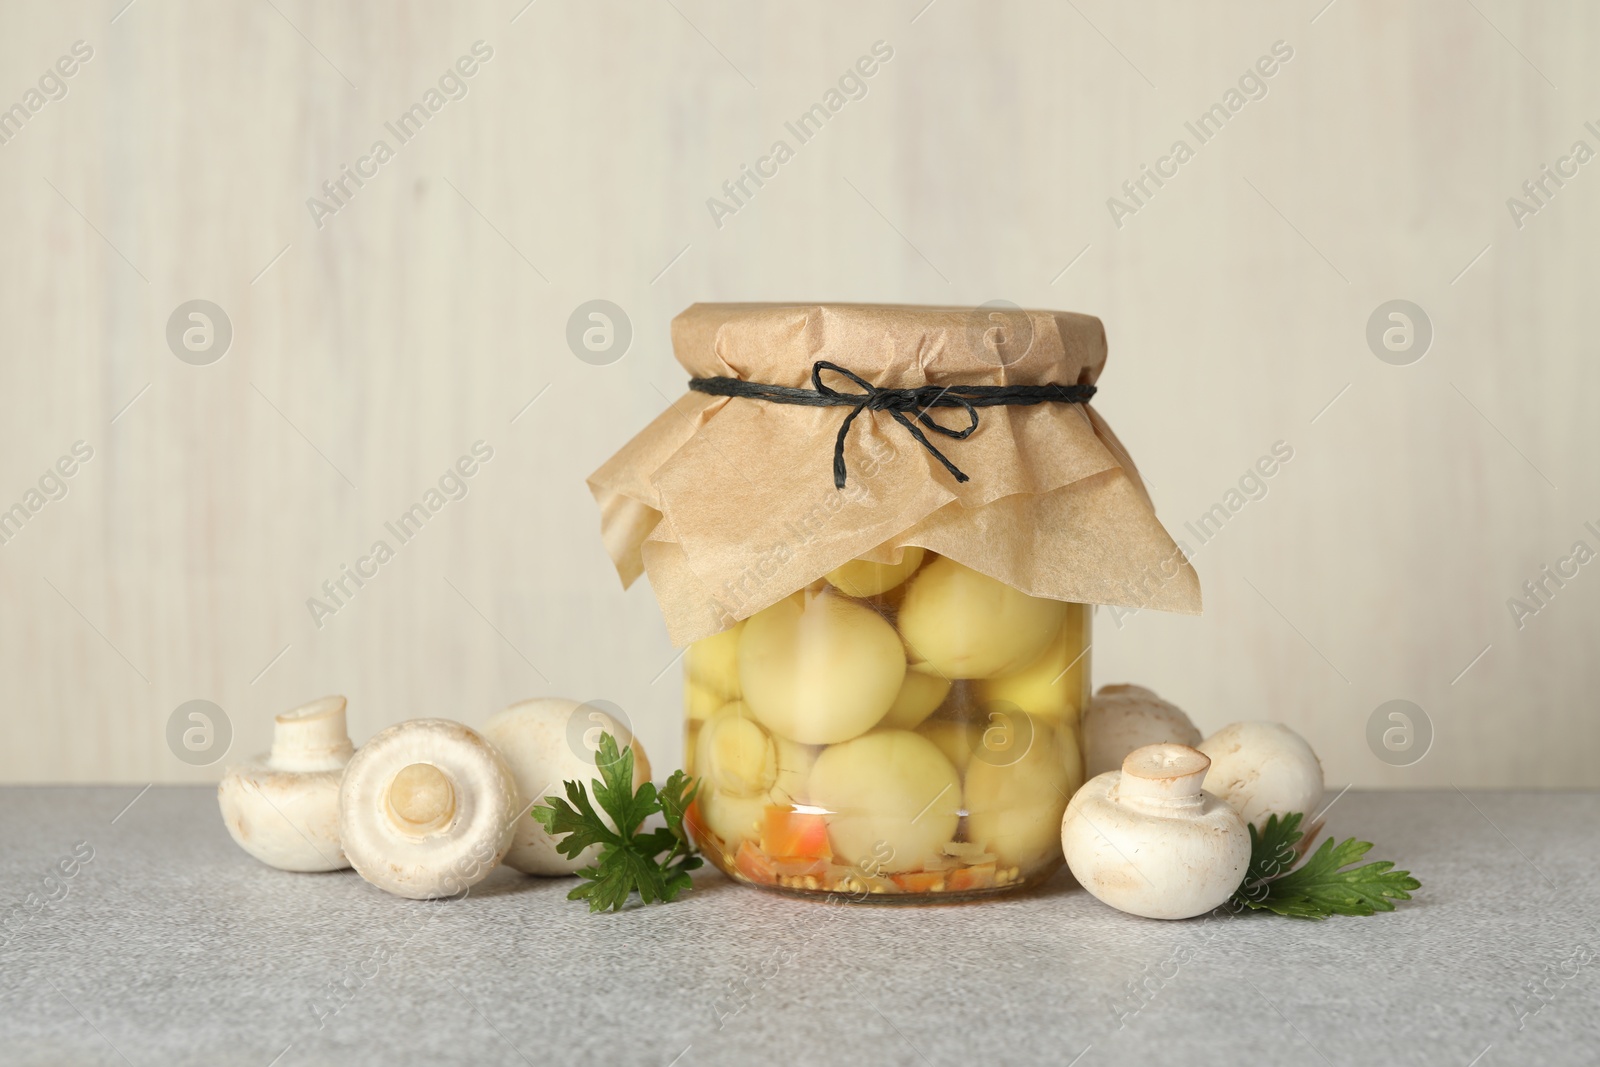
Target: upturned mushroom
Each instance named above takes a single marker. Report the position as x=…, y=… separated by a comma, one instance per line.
x=1149, y=841
x=283, y=808
x=427, y=809
x=1264, y=769
x=1121, y=718
x=547, y=742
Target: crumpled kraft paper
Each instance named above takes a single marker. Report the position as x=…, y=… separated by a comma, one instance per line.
x=728, y=503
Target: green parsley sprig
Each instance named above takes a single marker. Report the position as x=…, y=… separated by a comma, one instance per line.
x=630, y=858
x=1321, y=886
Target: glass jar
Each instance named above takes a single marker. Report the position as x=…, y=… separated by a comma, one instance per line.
x=899, y=732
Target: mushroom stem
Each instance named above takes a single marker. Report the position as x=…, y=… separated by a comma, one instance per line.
x=1164, y=776
x=421, y=798
x=311, y=737
x=426, y=809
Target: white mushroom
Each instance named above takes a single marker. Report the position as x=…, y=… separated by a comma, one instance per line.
x=546, y=742
x=1262, y=769
x=283, y=808
x=427, y=809
x=1122, y=718
x=1149, y=841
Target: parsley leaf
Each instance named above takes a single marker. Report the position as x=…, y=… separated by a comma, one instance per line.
x=1271, y=852
x=630, y=859
x=1321, y=886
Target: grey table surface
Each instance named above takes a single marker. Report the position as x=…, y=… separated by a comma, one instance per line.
x=170, y=946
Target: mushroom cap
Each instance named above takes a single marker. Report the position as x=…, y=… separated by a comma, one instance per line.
x=867, y=578
x=820, y=669
x=285, y=819
x=965, y=624
x=743, y=769
x=1121, y=718
x=1013, y=803
x=887, y=786
x=1055, y=683
x=1262, y=769
x=713, y=662
x=732, y=819
x=426, y=809
x=958, y=739
x=734, y=754
x=920, y=696
x=1162, y=857
x=546, y=742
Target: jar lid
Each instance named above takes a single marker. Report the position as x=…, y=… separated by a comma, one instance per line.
x=730, y=502
x=892, y=346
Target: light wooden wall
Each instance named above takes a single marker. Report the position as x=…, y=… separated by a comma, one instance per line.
x=372, y=351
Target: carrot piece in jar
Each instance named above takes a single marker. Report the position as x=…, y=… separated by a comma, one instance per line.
x=920, y=881
x=755, y=864
x=965, y=878
x=795, y=834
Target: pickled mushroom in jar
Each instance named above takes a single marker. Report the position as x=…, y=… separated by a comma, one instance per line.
x=956, y=738
x=732, y=819
x=967, y=625
x=700, y=703
x=735, y=755
x=744, y=771
x=920, y=696
x=794, y=771
x=864, y=578
x=1014, y=802
x=819, y=670
x=888, y=788
x=1053, y=684
x=714, y=662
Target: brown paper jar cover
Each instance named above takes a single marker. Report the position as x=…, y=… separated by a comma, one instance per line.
x=729, y=503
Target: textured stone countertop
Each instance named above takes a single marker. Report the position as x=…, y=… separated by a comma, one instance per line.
x=170, y=946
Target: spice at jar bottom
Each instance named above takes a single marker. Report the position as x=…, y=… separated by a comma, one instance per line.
x=880, y=532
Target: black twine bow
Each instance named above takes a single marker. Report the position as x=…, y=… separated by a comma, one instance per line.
x=897, y=402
